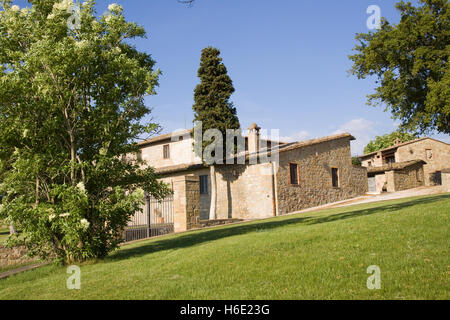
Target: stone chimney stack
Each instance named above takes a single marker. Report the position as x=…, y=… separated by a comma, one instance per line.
x=253, y=138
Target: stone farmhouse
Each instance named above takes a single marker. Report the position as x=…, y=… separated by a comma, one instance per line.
x=296, y=176
x=407, y=165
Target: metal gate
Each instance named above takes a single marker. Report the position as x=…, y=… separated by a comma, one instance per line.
x=155, y=219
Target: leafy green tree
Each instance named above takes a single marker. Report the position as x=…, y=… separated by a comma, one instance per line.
x=410, y=61
x=388, y=140
x=213, y=108
x=356, y=161
x=71, y=104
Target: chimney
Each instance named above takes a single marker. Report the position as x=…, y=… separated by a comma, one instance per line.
x=397, y=142
x=253, y=138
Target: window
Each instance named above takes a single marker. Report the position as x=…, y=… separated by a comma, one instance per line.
x=204, y=184
x=166, y=151
x=139, y=156
x=335, y=177
x=390, y=160
x=369, y=163
x=293, y=173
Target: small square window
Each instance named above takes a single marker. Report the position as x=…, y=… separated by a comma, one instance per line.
x=166, y=151
x=294, y=174
x=204, y=184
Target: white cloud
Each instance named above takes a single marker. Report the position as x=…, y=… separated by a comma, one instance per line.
x=362, y=129
x=297, y=136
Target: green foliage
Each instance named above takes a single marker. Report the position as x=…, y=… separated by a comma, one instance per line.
x=356, y=161
x=212, y=106
x=71, y=104
x=388, y=140
x=410, y=61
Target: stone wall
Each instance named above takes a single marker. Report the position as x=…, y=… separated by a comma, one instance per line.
x=181, y=152
x=408, y=178
x=250, y=191
x=186, y=203
x=243, y=191
x=315, y=164
x=380, y=180
x=439, y=160
x=390, y=181
x=375, y=161
x=446, y=180
x=13, y=256
x=204, y=199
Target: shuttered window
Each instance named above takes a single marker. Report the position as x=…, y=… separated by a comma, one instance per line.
x=204, y=184
x=293, y=167
x=166, y=151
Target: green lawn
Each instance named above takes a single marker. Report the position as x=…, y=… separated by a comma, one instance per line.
x=316, y=255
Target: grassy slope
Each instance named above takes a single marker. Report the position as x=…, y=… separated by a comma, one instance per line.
x=316, y=255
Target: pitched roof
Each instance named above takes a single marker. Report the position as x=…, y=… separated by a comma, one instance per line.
x=166, y=136
x=281, y=148
x=169, y=136
x=399, y=145
x=300, y=144
x=310, y=142
x=180, y=167
x=394, y=166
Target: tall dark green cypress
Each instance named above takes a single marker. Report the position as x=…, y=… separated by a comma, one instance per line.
x=212, y=105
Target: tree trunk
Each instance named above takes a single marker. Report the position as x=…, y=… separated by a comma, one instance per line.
x=12, y=230
x=212, y=208
x=72, y=158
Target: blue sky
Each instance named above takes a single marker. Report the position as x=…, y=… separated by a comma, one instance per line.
x=287, y=59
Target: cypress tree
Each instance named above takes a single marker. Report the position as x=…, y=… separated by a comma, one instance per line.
x=212, y=105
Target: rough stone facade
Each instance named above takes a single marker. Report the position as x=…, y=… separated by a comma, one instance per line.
x=242, y=192
x=257, y=189
x=381, y=182
x=315, y=163
x=446, y=180
x=398, y=176
x=186, y=203
x=408, y=178
x=436, y=155
x=245, y=191
x=13, y=256
x=180, y=152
